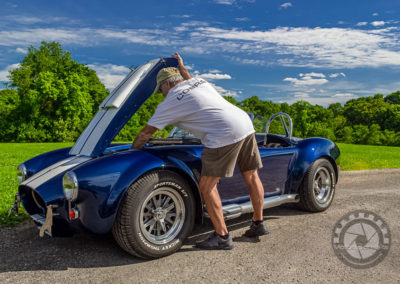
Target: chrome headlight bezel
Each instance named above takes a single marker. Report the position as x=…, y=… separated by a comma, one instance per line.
x=70, y=186
x=21, y=173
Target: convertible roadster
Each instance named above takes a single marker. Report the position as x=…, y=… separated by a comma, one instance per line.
x=150, y=198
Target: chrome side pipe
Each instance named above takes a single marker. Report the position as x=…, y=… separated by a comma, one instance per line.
x=232, y=211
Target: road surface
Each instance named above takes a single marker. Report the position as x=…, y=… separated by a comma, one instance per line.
x=298, y=248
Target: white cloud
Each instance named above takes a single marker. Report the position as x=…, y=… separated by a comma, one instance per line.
x=309, y=47
x=299, y=47
x=301, y=95
x=319, y=100
x=224, y=92
x=323, y=101
x=360, y=24
x=30, y=20
x=5, y=72
x=244, y=19
x=378, y=23
x=21, y=50
x=286, y=5
x=224, y=2
x=335, y=75
x=30, y=36
x=181, y=16
x=308, y=79
x=248, y=61
x=109, y=74
x=195, y=50
x=345, y=95
x=214, y=76
x=312, y=74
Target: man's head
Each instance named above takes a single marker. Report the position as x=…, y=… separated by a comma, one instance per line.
x=167, y=78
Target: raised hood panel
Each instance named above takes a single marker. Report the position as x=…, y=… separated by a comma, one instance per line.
x=116, y=110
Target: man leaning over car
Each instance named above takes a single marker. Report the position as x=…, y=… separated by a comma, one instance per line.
x=227, y=134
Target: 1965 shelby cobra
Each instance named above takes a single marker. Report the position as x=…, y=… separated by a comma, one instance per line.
x=150, y=198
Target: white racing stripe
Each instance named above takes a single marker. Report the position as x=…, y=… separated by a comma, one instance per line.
x=53, y=170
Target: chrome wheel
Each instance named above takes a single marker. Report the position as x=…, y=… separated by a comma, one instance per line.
x=322, y=185
x=162, y=215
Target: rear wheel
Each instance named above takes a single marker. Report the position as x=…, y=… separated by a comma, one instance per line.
x=156, y=215
x=318, y=187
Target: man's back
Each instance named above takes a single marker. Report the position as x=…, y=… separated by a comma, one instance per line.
x=196, y=106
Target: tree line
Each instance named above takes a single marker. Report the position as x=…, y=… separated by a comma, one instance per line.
x=52, y=98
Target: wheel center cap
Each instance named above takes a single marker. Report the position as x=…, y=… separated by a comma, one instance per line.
x=159, y=214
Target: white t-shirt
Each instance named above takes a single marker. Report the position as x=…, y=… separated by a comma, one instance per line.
x=196, y=106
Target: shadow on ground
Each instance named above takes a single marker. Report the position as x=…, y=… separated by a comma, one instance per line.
x=21, y=248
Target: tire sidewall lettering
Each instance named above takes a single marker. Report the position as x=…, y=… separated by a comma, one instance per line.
x=160, y=247
x=171, y=184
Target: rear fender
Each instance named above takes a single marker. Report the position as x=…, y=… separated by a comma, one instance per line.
x=309, y=150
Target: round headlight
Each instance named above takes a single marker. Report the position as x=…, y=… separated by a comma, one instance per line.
x=21, y=173
x=70, y=186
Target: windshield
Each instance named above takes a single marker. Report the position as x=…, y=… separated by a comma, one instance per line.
x=177, y=132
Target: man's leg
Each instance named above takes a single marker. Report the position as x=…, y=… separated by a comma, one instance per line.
x=208, y=188
x=256, y=193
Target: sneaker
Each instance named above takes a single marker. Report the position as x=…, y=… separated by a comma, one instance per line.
x=214, y=241
x=256, y=230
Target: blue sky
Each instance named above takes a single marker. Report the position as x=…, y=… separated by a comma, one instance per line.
x=283, y=51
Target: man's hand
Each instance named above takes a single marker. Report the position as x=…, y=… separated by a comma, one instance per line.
x=179, y=58
x=182, y=69
x=144, y=136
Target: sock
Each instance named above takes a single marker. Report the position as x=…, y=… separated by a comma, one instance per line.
x=224, y=237
x=257, y=222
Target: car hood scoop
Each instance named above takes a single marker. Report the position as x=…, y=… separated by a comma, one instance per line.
x=116, y=110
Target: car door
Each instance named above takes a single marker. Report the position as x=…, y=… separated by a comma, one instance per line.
x=273, y=175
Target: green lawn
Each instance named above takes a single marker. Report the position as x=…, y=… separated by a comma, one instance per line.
x=365, y=157
x=11, y=155
x=353, y=157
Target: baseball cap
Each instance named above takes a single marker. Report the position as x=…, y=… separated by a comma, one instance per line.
x=164, y=74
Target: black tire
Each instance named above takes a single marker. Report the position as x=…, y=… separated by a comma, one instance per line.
x=144, y=227
x=318, y=187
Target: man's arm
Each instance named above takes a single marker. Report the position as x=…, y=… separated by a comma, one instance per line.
x=144, y=136
x=182, y=69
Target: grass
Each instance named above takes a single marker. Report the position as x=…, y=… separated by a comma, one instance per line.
x=365, y=157
x=353, y=157
x=11, y=155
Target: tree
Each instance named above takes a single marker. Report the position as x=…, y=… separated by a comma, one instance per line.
x=9, y=100
x=57, y=96
x=393, y=98
x=140, y=119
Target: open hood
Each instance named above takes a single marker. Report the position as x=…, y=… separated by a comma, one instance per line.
x=116, y=110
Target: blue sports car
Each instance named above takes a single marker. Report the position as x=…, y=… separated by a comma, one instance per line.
x=150, y=198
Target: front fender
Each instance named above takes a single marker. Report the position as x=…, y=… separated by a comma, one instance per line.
x=42, y=161
x=104, y=181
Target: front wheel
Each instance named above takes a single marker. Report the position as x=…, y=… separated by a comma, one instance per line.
x=156, y=215
x=318, y=187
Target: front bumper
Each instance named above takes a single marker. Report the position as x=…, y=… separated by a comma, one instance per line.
x=45, y=224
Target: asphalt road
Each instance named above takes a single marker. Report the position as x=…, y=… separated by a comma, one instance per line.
x=298, y=248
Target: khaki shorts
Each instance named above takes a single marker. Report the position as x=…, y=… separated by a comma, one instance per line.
x=220, y=162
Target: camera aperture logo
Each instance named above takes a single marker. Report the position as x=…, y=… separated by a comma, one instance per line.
x=361, y=239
